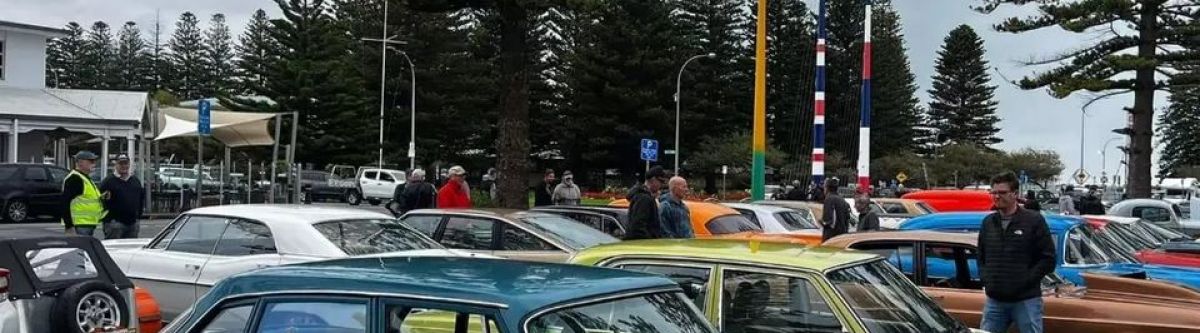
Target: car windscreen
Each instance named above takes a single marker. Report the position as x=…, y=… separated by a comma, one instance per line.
x=667, y=312
x=1164, y=233
x=887, y=301
x=730, y=224
x=362, y=237
x=793, y=221
x=570, y=232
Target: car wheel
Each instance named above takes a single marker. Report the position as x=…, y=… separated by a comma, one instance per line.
x=91, y=306
x=16, y=210
x=353, y=199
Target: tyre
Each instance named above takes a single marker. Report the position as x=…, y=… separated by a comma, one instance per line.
x=16, y=210
x=353, y=198
x=90, y=306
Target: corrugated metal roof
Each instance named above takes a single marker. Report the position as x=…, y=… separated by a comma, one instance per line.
x=73, y=104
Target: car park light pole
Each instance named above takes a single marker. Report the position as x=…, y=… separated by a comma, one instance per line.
x=384, y=43
x=412, y=132
x=678, y=89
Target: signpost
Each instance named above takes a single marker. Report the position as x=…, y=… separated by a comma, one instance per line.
x=203, y=129
x=1081, y=176
x=649, y=148
x=901, y=177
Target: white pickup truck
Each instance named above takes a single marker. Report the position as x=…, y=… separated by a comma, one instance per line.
x=373, y=185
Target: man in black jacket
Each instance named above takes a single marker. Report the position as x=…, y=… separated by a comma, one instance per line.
x=415, y=194
x=835, y=213
x=643, y=207
x=1015, y=254
x=543, y=192
x=123, y=199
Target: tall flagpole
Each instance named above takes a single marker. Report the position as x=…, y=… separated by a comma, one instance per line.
x=818, y=153
x=759, y=144
x=864, y=127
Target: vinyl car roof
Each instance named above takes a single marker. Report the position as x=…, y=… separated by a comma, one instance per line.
x=282, y=214
x=516, y=285
x=728, y=250
x=964, y=238
x=971, y=220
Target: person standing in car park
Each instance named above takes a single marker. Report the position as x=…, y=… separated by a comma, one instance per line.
x=835, y=214
x=675, y=218
x=869, y=220
x=123, y=199
x=567, y=193
x=456, y=193
x=1066, y=201
x=80, y=208
x=543, y=194
x=1015, y=253
x=416, y=194
x=643, y=206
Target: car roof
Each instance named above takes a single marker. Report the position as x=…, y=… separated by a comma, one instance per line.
x=972, y=220
x=1117, y=219
x=285, y=214
x=518, y=285
x=760, y=208
x=845, y=240
x=730, y=250
x=895, y=200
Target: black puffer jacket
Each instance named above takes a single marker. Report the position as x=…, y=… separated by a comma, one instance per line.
x=1013, y=261
x=643, y=215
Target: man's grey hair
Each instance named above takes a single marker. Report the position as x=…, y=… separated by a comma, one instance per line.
x=417, y=174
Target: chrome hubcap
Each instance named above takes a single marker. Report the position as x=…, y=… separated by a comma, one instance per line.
x=97, y=310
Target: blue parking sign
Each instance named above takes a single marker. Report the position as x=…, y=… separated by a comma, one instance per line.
x=204, y=120
x=649, y=150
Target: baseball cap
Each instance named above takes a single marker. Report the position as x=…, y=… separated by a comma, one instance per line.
x=86, y=155
x=457, y=171
x=122, y=158
x=657, y=172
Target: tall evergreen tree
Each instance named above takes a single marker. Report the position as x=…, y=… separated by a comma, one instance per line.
x=99, y=69
x=894, y=104
x=963, y=106
x=187, y=57
x=254, y=52
x=714, y=101
x=791, y=63
x=65, y=59
x=218, y=54
x=133, y=59
x=1150, y=43
x=1178, y=128
x=843, y=79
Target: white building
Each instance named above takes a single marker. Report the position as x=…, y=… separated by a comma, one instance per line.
x=36, y=120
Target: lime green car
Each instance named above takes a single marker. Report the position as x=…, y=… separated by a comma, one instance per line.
x=745, y=286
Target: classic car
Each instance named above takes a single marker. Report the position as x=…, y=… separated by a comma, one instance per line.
x=443, y=295
x=714, y=220
x=896, y=211
x=612, y=221
x=54, y=283
x=1128, y=234
x=517, y=235
x=205, y=245
x=752, y=286
x=944, y=265
x=778, y=220
x=818, y=208
x=1160, y=212
x=1079, y=248
x=953, y=200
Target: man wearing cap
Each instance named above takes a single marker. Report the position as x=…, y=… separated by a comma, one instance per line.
x=643, y=208
x=123, y=197
x=455, y=194
x=567, y=193
x=81, y=209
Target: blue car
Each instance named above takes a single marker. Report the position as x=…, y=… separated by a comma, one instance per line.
x=1078, y=248
x=442, y=295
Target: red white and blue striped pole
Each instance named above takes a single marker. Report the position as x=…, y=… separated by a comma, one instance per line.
x=864, y=127
x=818, y=153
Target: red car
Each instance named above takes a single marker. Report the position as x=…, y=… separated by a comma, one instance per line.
x=954, y=200
x=1131, y=235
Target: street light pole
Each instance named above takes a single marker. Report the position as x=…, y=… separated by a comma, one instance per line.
x=412, y=139
x=383, y=46
x=678, y=89
x=1104, y=157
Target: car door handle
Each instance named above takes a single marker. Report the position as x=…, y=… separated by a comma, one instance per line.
x=191, y=267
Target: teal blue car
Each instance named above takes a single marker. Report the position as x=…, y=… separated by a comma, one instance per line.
x=442, y=295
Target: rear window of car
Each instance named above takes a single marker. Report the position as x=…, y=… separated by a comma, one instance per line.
x=360, y=237
x=570, y=232
x=730, y=224
x=61, y=264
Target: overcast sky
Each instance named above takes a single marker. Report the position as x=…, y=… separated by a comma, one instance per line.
x=1029, y=118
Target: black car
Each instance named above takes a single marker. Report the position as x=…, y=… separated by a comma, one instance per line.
x=610, y=220
x=30, y=190
x=68, y=284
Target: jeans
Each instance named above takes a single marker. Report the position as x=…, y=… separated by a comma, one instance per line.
x=120, y=230
x=999, y=316
x=85, y=231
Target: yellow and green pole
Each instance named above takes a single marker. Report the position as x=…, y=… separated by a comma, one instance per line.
x=759, y=147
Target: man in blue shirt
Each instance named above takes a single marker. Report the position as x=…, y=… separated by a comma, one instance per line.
x=674, y=216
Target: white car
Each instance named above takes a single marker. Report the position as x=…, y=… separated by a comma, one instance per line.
x=378, y=185
x=208, y=244
x=779, y=220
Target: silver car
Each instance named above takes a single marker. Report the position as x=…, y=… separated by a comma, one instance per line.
x=520, y=235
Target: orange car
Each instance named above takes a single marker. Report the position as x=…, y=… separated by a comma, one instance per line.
x=149, y=317
x=713, y=220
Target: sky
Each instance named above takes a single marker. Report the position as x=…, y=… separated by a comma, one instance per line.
x=1028, y=118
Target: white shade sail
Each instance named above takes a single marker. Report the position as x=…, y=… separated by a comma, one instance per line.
x=234, y=129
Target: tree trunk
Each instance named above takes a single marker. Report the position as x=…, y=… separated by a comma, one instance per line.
x=513, y=139
x=1143, y=108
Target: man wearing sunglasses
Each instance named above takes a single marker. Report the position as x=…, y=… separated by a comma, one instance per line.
x=1015, y=253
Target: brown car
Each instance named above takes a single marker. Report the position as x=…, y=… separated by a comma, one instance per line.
x=904, y=206
x=940, y=263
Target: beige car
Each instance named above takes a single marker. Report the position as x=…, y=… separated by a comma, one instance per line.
x=530, y=236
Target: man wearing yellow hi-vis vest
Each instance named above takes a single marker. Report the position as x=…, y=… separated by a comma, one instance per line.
x=82, y=209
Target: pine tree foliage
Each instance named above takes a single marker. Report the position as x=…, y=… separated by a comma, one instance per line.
x=218, y=54
x=99, y=70
x=715, y=100
x=65, y=59
x=133, y=59
x=791, y=62
x=187, y=57
x=963, y=106
x=1178, y=130
x=1118, y=62
x=895, y=113
x=254, y=53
